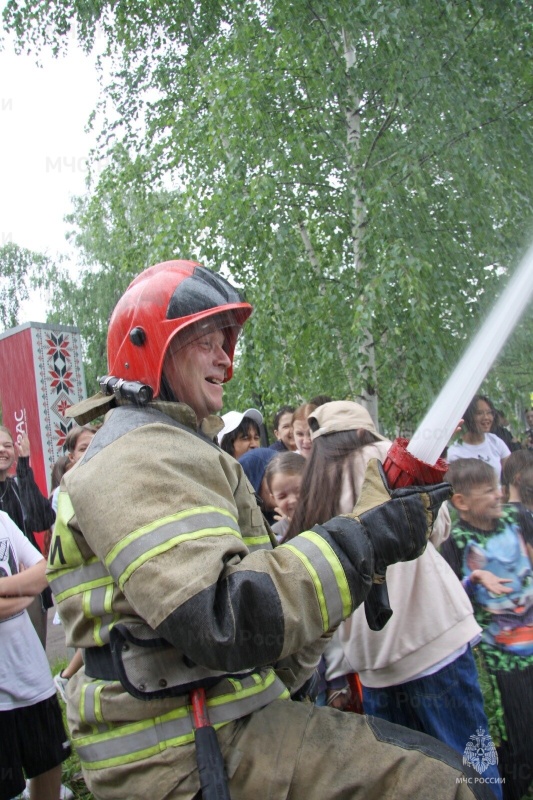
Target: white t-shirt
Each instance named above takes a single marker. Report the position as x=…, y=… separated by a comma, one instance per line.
x=25, y=677
x=491, y=450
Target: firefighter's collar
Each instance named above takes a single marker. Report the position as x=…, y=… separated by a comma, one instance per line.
x=183, y=413
x=99, y=404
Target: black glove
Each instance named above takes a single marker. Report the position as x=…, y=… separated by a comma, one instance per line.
x=397, y=522
x=377, y=607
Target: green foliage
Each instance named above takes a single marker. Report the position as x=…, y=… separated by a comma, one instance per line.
x=20, y=271
x=359, y=168
x=119, y=230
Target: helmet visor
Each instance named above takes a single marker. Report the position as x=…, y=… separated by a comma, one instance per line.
x=225, y=321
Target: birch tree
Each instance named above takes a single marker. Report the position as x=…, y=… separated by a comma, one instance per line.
x=20, y=271
x=362, y=169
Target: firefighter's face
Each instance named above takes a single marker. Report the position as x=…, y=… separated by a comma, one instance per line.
x=196, y=372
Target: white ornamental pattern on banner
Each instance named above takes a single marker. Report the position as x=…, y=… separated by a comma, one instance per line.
x=60, y=382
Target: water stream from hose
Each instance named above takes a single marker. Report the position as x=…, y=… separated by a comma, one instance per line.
x=440, y=422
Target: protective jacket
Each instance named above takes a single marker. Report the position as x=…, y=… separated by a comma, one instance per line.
x=165, y=573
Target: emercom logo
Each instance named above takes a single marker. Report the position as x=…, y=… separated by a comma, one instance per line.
x=480, y=752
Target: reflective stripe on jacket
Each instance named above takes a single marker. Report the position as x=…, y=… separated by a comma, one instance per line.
x=103, y=747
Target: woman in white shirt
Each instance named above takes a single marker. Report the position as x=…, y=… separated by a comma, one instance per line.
x=476, y=440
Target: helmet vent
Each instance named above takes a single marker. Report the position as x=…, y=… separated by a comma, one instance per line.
x=138, y=336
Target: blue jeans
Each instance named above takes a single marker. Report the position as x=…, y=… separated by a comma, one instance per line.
x=447, y=705
x=321, y=699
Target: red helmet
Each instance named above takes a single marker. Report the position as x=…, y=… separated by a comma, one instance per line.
x=159, y=303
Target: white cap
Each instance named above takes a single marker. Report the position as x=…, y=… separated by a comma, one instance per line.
x=233, y=419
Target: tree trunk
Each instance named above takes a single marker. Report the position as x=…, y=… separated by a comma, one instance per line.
x=369, y=396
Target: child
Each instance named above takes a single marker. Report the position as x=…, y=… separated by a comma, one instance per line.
x=283, y=430
x=78, y=440
x=491, y=557
x=241, y=432
x=300, y=429
x=254, y=464
x=30, y=510
x=518, y=484
x=32, y=736
x=284, y=477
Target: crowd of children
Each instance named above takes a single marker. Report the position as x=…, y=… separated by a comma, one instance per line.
x=419, y=670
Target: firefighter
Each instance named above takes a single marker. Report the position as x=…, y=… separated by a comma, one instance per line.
x=166, y=575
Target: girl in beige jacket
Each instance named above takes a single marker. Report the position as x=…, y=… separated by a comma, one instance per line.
x=419, y=670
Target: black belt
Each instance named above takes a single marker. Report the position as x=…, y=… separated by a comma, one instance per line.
x=99, y=664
